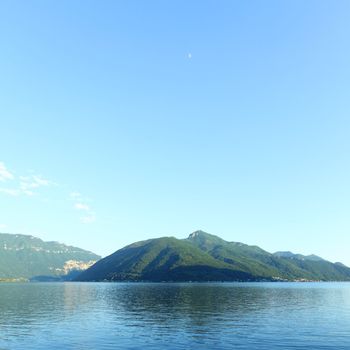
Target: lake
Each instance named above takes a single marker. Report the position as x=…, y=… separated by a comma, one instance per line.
x=175, y=315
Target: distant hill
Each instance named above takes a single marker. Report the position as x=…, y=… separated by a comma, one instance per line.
x=205, y=257
x=25, y=257
x=291, y=255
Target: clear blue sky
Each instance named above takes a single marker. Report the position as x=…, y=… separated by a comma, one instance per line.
x=125, y=120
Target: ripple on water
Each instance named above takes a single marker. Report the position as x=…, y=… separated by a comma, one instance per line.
x=175, y=316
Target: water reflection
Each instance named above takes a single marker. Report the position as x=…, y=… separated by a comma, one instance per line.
x=26, y=303
x=102, y=316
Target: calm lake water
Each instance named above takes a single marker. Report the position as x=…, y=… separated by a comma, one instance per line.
x=175, y=316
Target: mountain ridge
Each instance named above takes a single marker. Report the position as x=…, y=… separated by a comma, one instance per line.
x=25, y=257
x=206, y=257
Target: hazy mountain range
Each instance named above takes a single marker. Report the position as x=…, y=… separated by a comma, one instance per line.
x=205, y=257
x=200, y=257
x=25, y=257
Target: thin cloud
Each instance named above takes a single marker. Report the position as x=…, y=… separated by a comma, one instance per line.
x=31, y=185
x=74, y=195
x=88, y=219
x=5, y=174
x=22, y=185
x=81, y=206
x=34, y=181
x=10, y=191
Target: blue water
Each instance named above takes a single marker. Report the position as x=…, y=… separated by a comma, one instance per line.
x=175, y=316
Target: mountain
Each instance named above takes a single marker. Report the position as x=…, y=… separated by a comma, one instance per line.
x=162, y=259
x=25, y=257
x=291, y=255
x=205, y=257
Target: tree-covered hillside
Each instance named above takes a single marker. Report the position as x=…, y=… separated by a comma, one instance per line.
x=27, y=257
x=205, y=257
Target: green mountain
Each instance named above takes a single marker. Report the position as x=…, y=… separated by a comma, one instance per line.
x=25, y=257
x=205, y=257
x=291, y=255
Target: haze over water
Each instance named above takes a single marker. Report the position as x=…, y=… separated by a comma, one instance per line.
x=175, y=316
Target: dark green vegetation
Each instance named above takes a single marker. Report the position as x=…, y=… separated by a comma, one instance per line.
x=28, y=258
x=204, y=257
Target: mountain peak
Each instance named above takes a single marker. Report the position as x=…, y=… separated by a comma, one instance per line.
x=204, y=240
x=284, y=254
x=198, y=233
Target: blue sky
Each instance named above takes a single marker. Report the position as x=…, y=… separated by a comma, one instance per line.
x=125, y=120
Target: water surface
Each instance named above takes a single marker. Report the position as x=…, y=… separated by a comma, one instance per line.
x=175, y=316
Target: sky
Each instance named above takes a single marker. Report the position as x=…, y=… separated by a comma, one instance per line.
x=127, y=120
